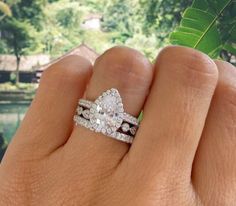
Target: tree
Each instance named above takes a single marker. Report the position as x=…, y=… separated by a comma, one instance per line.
x=62, y=26
x=18, y=36
x=118, y=18
x=160, y=17
x=18, y=32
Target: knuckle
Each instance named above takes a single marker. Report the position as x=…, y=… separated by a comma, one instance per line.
x=191, y=66
x=124, y=60
x=73, y=63
x=190, y=58
x=119, y=51
x=124, y=65
x=68, y=70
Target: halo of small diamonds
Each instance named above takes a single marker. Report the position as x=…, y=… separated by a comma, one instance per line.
x=106, y=115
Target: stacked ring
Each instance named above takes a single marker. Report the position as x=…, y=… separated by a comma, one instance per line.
x=106, y=115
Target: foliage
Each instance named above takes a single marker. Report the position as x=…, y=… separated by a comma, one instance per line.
x=95, y=5
x=204, y=24
x=159, y=17
x=148, y=45
x=104, y=42
x=228, y=21
x=125, y=21
x=3, y=47
x=19, y=30
x=62, y=26
x=5, y=9
x=54, y=26
x=8, y=86
x=118, y=17
x=18, y=36
x=143, y=24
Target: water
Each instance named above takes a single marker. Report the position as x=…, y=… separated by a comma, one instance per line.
x=10, y=117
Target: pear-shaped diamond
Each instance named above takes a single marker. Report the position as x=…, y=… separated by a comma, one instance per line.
x=107, y=112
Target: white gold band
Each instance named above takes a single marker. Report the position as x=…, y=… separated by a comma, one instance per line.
x=115, y=135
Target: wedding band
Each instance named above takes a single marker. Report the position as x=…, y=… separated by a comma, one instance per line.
x=106, y=115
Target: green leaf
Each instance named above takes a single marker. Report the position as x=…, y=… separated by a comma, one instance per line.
x=213, y=7
x=198, y=27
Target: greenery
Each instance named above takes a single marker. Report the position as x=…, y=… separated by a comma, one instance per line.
x=203, y=27
x=5, y=9
x=19, y=31
x=54, y=26
x=8, y=86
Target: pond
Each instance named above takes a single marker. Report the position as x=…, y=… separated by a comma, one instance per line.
x=10, y=117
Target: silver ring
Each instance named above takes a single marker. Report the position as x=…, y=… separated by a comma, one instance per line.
x=106, y=115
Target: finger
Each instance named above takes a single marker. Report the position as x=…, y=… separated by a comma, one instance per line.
x=48, y=122
x=175, y=111
x=214, y=163
x=130, y=73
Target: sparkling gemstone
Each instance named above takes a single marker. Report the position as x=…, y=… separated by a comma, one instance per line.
x=107, y=112
x=109, y=131
x=125, y=127
x=79, y=110
x=133, y=130
x=103, y=130
x=86, y=113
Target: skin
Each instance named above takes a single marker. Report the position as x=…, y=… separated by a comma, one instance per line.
x=183, y=154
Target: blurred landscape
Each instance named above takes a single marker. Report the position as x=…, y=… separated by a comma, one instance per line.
x=36, y=33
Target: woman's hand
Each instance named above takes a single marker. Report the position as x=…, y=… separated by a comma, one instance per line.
x=183, y=154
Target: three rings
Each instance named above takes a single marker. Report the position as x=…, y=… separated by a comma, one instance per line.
x=107, y=116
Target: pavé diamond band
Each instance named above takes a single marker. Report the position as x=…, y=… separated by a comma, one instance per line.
x=106, y=115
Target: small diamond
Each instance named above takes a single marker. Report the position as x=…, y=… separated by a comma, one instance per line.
x=113, y=134
x=118, y=135
x=75, y=118
x=103, y=131
x=113, y=129
x=125, y=127
x=79, y=110
x=133, y=130
x=86, y=113
x=117, y=124
x=120, y=105
x=109, y=130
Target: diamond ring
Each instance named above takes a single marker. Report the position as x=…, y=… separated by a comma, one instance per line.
x=106, y=115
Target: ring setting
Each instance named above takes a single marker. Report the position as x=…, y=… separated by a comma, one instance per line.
x=106, y=115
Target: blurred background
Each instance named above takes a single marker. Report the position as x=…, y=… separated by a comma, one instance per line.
x=36, y=33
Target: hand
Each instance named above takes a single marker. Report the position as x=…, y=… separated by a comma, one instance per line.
x=183, y=154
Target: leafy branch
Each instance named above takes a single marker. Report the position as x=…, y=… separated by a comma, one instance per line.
x=201, y=27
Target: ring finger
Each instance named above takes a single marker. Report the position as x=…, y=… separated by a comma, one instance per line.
x=131, y=74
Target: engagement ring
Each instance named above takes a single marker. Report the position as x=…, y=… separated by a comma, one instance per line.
x=106, y=115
